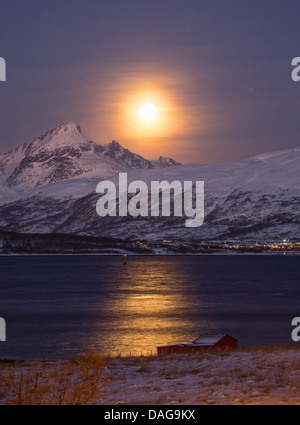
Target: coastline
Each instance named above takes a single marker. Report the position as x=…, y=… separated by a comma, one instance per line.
x=150, y=254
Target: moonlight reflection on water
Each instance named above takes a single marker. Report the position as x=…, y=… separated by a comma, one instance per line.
x=55, y=305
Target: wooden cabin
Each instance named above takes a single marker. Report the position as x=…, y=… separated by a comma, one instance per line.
x=206, y=341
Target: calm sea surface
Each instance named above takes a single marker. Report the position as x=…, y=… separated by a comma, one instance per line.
x=55, y=305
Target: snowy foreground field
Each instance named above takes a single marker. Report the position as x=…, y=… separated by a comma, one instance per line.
x=254, y=376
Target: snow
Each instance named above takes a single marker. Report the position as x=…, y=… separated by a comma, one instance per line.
x=164, y=161
x=272, y=173
x=10, y=160
x=241, y=377
x=6, y=192
x=279, y=153
x=64, y=135
x=257, y=199
x=64, y=153
x=123, y=156
x=61, y=154
x=68, y=189
x=258, y=376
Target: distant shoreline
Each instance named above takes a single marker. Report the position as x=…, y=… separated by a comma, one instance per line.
x=71, y=244
x=158, y=254
x=100, y=254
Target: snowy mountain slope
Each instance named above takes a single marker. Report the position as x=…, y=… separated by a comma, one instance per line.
x=63, y=154
x=133, y=161
x=164, y=161
x=6, y=192
x=123, y=156
x=264, y=173
x=255, y=199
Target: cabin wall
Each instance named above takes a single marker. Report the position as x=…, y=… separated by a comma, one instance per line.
x=227, y=341
x=170, y=349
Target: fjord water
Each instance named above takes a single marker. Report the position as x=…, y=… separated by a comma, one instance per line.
x=54, y=306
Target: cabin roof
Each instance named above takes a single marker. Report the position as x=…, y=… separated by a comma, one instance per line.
x=204, y=340
x=171, y=345
x=210, y=339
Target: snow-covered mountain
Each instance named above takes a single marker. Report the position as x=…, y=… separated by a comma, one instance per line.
x=49, y=186
x=123, y=156
x=164, y=161
x=63, y=154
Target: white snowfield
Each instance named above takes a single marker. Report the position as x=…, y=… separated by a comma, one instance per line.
x=254, y=199
x=258, y=376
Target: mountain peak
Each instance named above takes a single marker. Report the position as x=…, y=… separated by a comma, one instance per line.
x=115, y=145
x=64, y=153
x=132, y=160
x=124, y=156
x=70, y=127
x=164, y=161
x=65, y=134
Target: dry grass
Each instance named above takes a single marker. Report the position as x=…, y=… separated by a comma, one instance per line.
x=78, y=381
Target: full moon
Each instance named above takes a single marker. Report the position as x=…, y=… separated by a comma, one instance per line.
x=148, y=112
